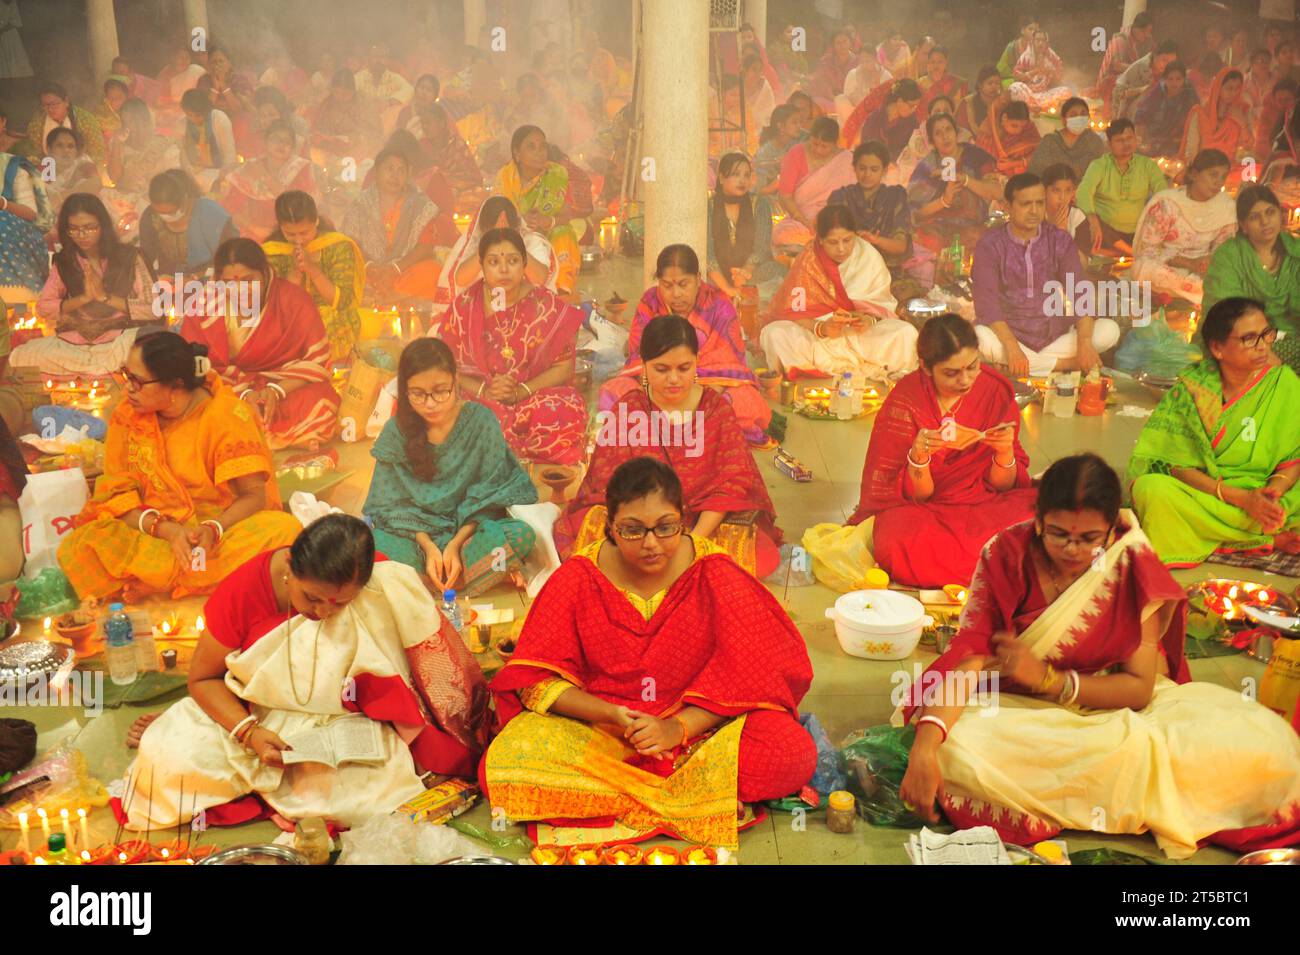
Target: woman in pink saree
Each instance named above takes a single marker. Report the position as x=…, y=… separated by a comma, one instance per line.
x=515, y=345
x=810, y=172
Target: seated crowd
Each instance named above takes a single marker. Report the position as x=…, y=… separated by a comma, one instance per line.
x=851, y=185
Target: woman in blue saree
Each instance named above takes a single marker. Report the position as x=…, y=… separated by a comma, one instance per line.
x=443, y=480
x=25, y=216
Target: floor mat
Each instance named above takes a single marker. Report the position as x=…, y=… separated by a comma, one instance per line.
x=1275, y=562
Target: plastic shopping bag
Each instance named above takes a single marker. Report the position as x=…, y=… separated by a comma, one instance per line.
x=841, y=555
x=48, y=504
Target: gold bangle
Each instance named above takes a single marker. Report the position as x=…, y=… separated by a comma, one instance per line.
x=1049, y=677
x=1218, y=491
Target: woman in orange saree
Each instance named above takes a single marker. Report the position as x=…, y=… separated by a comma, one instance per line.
x=1096, y=724
x=188, y=492
x=277, y=359
x=1009, y=136
x=1222, y=122
x=582, y=736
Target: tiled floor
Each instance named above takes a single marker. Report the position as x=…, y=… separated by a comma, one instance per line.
x=846, y=693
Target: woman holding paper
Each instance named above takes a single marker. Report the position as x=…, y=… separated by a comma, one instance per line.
x=1097, y=725
x=298, y=639
x=945, y=470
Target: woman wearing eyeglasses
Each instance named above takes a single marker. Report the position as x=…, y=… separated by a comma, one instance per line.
x=185, y=467
x=98, y=296
x=1093, y=723
x=655, y=683
x=1216, y=466
x=443, y=480
x=272, y=349
x=1261, y=262
x=725, y=498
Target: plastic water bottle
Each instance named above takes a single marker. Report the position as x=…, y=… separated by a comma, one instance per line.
x=121, y=653
x=451, y=610
x=844, y=406
x=57, y=853
x=957, y=256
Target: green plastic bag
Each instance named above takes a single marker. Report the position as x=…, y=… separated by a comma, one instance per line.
x=1156, y=349
x=47, y=595
x=876, y=759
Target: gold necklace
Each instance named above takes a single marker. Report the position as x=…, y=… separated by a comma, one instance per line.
x=288, y=649
x=507, y=352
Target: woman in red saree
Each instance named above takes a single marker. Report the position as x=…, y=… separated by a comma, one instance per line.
x=724, y=493
x=679, y=289
x=1101, y=728
x=370, y=645
x=278, y=359
x=515, y=345
x=937, y=81
x=1009, y=136
x=580, y=738
x=936, y=490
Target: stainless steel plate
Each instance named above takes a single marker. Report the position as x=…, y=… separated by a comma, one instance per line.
x=256, y=855
x=32, y=658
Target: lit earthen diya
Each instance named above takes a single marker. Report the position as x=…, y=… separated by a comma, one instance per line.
x=100, y=855
x=550, y=855
x=130, y=853
x=956, y=593
x=701, y=855
x=1229, y=598
x=169, y=851
x=625, y=854
x=584, y=855
x=662, y=855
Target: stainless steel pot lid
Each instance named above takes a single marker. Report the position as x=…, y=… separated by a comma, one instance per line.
x=880, y=611
x=256, y=855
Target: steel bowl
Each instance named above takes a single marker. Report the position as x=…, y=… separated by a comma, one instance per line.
x=923, y=308
x=267, y=854
x=478, y=860
x=1271, y=857
x=591, y=256
x=1025, y=393
x=1155, y=384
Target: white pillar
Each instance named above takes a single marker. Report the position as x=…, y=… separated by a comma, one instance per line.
x=756, y=16
x=103, y=37
x=675, y=45
x=1132, y=8
x=475, y=17
x=196, y=16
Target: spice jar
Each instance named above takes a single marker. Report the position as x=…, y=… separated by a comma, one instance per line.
x=312, y=839
x=841, y=811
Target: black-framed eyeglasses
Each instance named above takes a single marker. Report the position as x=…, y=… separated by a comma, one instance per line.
x=83, y=229
x=1063, y=540
x=133, y=382
x=1252, y=339
x=438, y=396
x=636, y=532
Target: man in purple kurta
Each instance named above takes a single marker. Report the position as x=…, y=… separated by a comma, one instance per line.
x=1027, y=278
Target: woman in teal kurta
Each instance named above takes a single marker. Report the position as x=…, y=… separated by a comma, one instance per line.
x=1261, y=262
x=443, y=479
x=1216, y=466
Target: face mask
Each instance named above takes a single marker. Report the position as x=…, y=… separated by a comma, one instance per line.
x=171, y=216
x=1076, y=124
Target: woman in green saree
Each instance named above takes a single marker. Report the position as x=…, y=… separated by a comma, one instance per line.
x=539, y=190
x=1261, y=262
x=1216, y=466
x=307, y=251
x=443, y=480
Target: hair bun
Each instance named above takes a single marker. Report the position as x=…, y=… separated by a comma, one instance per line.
x=202, y=365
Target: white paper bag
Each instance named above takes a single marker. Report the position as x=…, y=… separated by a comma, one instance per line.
x=48, y=505
x=385, y=406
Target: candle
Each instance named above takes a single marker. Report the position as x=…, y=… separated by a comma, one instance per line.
x=45, y=824
x=47, y=628
x=661, y=855
x=198, y=624
x=67, y=833
x=85, y=837
x=22, y=823
x=702, y=855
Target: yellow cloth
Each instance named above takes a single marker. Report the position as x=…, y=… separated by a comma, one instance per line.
x=185, y=473
x=738, y=540
x=540, y=697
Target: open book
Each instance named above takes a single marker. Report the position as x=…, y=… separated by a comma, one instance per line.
x=977, y=846
x=349, y=739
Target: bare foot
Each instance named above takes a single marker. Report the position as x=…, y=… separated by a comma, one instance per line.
x=137, y=730
x=136, y=591
x=1288, y=542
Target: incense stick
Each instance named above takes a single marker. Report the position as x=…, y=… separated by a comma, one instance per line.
x=148, y=813
x=180, y=812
